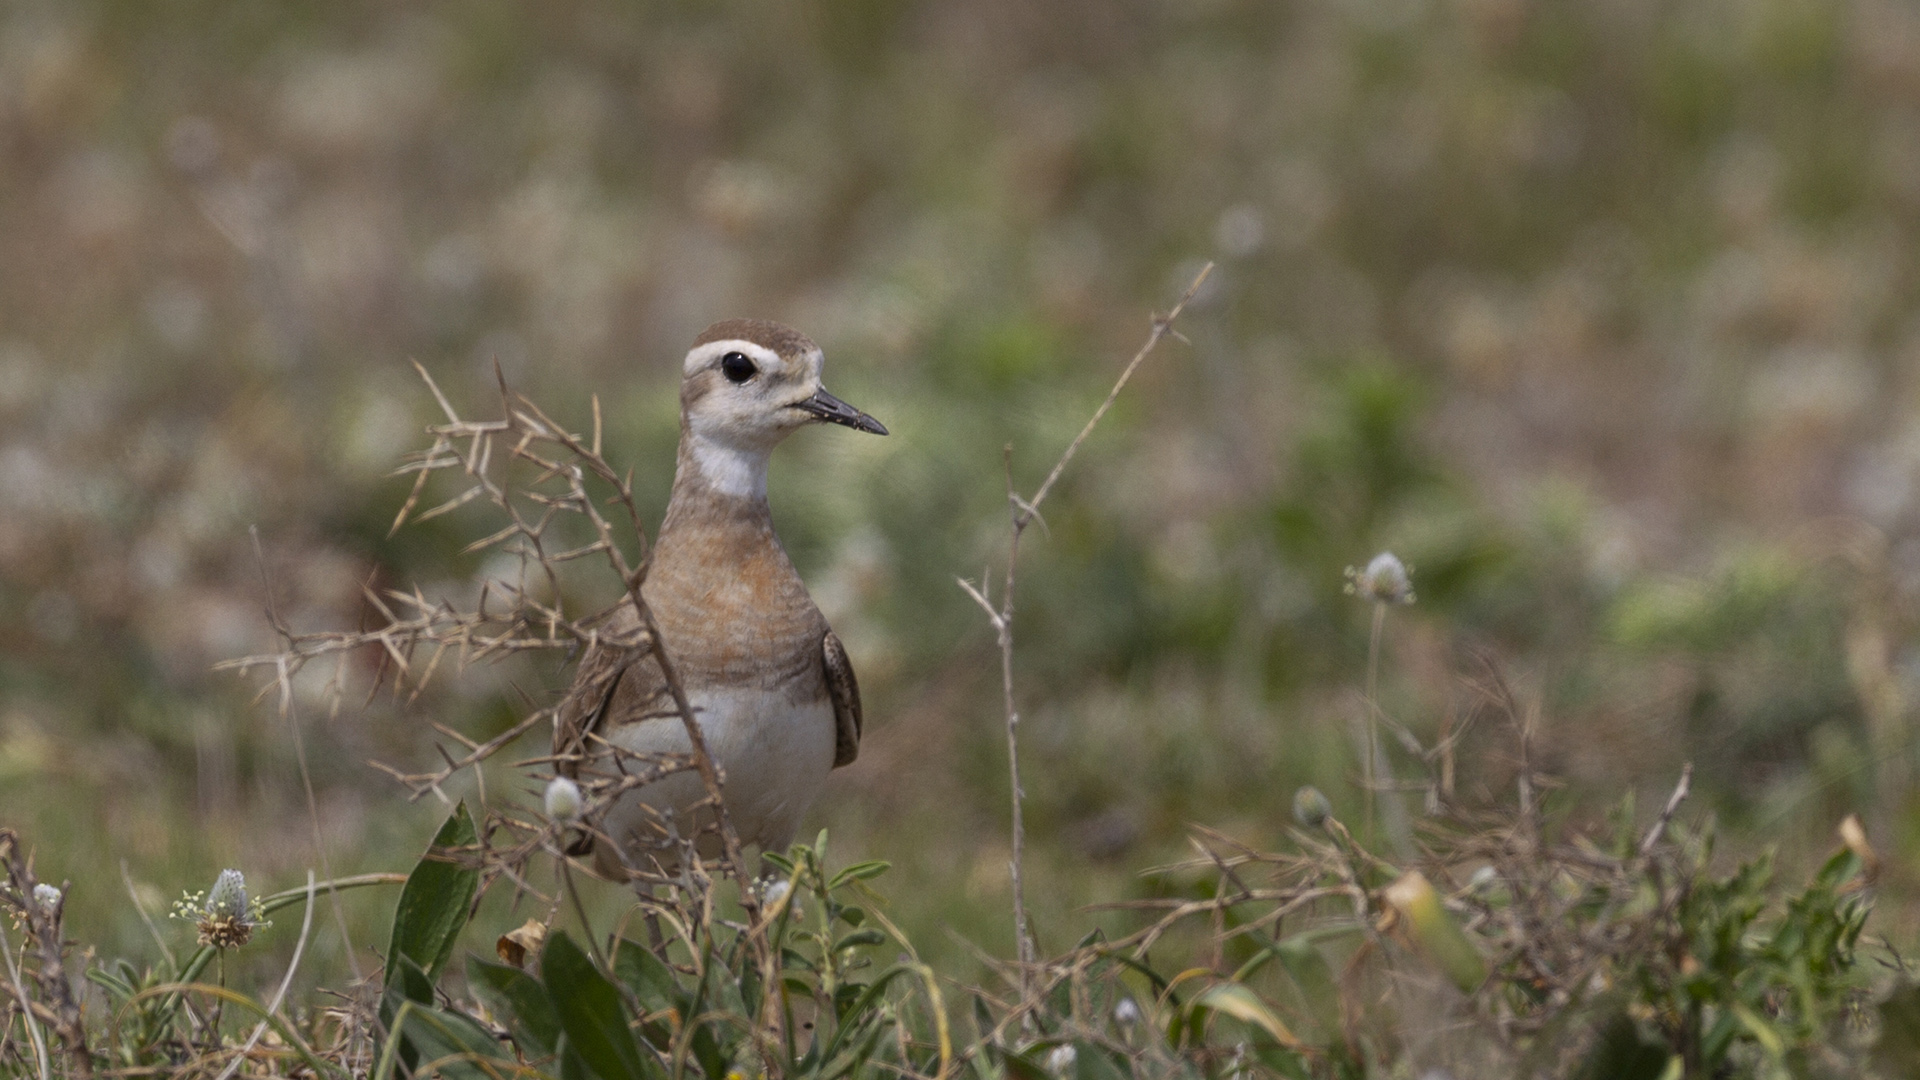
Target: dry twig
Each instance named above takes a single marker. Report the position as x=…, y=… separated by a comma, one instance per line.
x=1024, y=512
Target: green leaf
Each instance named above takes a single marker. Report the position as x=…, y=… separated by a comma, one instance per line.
x=860, y=871
x=590, y=1011
x=405, y=983
x=868, y=996
x=859, y=938
x=652, y=981
x=521, y=1000
x=1435, y=932
x=426, y=1034
x=1762, y=1032
x=1283, y=1062
x=1244, y=1005
x=1021, y=1067
x=114, y=985
x=435, y=901
x=451, y=1045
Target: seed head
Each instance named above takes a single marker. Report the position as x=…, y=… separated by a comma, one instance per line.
x=47, y=896
x=1126, y=1013
x=1311, y=808
x=1386, y=580
x=225, y=917
x=1060, y=1059
x=563, y=799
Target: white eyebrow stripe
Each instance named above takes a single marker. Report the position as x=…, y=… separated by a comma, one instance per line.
x=705, y=356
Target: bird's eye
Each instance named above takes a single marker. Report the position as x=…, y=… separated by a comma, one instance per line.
x=737, y=368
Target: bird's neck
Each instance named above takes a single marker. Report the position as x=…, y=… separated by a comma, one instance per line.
x=710, y=468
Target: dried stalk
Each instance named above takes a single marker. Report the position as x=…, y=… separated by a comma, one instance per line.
x=1024, y=512
x=55, y=1005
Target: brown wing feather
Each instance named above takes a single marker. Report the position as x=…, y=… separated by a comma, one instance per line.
x=608, y=677
x=844, y=689
x=606, y=671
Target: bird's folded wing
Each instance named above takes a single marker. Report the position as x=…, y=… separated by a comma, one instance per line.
x=590, y=707
x=844, y=689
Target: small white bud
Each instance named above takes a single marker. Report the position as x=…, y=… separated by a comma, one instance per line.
x=1385, y=580
x=47, y=896
x=777, y=891
x=1311, y=808
x=563, y=799
x=1126, y=1013
x=1061, y=1058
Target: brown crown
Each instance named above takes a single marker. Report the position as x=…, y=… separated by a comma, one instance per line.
x=784, y=340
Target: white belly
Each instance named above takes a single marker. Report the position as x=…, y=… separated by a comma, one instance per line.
x=775, y=758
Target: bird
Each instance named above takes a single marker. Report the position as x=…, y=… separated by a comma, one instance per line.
x=770, y=684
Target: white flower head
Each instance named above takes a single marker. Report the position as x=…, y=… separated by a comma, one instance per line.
x=563, y=799
x=228, y=898
x=224, y=915
x=47, y=896
x=1126, y=1013
x=1060, y=1059
x=1386, y=580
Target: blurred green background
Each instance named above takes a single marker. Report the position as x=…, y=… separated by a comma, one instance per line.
x=1601, y=313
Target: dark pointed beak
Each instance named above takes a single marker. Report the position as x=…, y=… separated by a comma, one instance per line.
x=834, y=411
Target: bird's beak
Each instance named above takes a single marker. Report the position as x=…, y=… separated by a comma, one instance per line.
x=834, y=411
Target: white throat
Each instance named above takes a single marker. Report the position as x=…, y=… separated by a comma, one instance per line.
x=730, y=470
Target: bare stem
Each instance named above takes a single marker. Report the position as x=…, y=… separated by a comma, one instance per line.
x=1679, y=796
x=1370, y=770
x=1022, y=513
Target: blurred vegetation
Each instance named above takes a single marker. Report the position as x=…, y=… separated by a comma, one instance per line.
x=1599, y=314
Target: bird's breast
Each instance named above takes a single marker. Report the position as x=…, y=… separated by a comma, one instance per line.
x=775, y=753
x=732, y=611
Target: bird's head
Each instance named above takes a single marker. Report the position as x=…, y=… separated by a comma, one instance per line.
x=749, y=383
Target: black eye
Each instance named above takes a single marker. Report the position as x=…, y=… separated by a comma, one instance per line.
x=737, y=368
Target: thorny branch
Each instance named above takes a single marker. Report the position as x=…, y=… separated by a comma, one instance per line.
x=535, y=474
x=1024, y=512
x=55, y=1005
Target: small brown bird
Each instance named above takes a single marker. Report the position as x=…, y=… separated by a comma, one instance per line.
x=769, y=683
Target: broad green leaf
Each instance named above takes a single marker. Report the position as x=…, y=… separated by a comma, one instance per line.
x=1434, y=931
x=426, y=1034
x=590, y=1010
x=651, y=981
x=450, y=1045
x=435, y=900
x=519, y=999
x=405, y=983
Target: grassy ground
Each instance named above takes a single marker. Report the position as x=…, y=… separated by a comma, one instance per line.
x=1600, y=315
